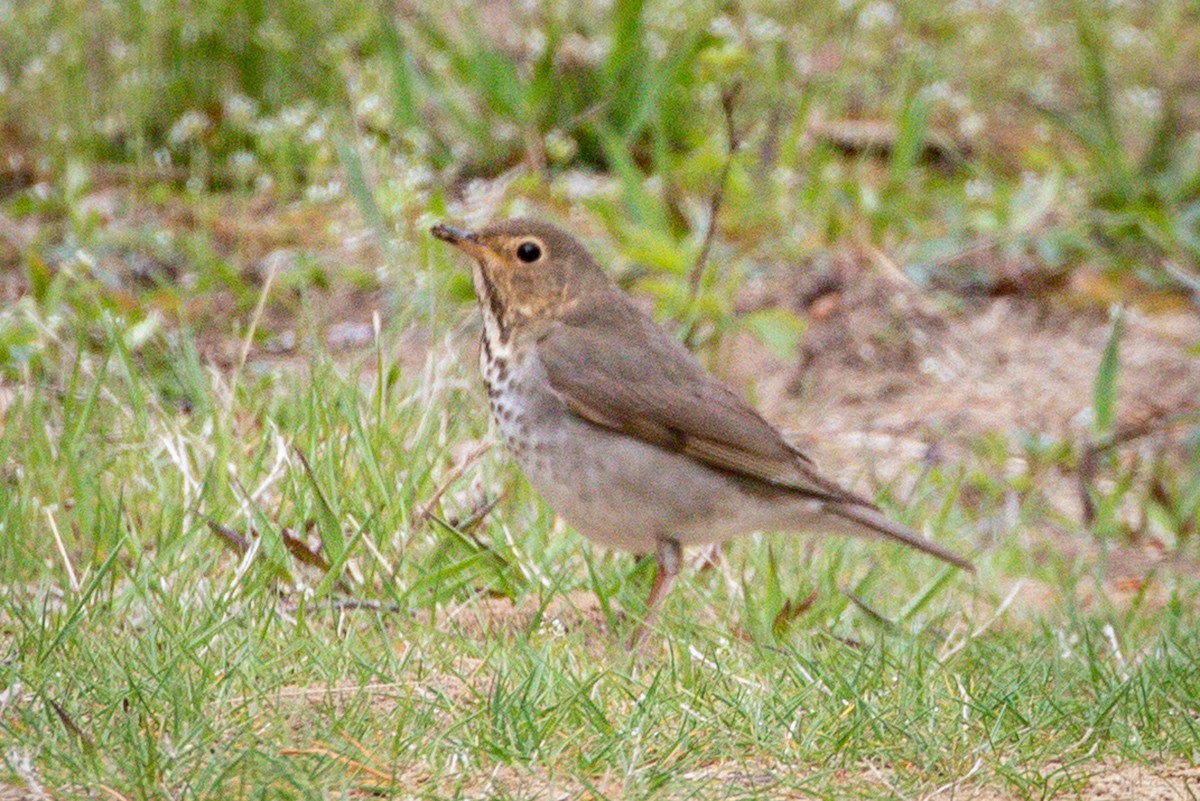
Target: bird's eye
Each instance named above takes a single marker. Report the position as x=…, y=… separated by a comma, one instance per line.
x=529, y=252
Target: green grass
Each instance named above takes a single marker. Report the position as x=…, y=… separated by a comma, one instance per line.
x=149, y=656
x=234, y=563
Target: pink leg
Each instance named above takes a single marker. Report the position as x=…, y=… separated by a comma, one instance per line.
x=668, y=557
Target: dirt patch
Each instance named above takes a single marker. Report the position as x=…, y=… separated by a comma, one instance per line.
x=478, y=781
x=1106, y=781
x=736, y=779
x=886, y=366
x=578, y=611
x=8, y=793
x=445, y=686
x=889, y=376
x=1144, y=782
x=1101, y=782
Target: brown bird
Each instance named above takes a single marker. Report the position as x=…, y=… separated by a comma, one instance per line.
x=619, y=427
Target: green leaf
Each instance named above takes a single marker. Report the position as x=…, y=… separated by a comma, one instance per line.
x=327, y=517
x=779, y=330
x=910, y=138
x=1105, y=397
x=643, y=206
x=363, y=195
x=138, y=334
x=404, y=95
x=1107, y=150
x=338, y=564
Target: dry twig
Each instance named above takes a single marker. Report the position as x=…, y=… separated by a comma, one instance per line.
x=733, y=143
x=1158, y=420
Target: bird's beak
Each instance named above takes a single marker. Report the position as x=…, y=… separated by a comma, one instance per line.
x=466, y=241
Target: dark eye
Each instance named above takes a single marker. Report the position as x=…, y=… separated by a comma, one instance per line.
x=529, y=252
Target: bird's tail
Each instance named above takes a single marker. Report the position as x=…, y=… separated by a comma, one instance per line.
x=877, y=523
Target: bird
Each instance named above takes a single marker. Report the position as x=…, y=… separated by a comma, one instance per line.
x=618, y=426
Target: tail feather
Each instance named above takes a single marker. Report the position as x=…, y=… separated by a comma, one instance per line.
x=874, y=520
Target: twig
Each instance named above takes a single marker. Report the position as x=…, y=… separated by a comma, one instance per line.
x=987, y=624
x=349, y=604
x=88, y=744
x=468, y=524
x=870, y=611
x=1186, y=280
x=1092, y=450
x=733, y=142
x=465, y=530
x=426, y=509
x=1161, y=421
x=305, y=693
x=353, y=765
x=299, y=548
x=914, y=292
x=1089, y=460
x=137, y=175
x=953, y=784
x=113, y=793
x=236, y=541
x=62, y=551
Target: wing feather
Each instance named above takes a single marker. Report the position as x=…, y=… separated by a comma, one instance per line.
x=621, y=371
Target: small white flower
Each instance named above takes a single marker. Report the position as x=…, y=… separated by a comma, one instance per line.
x=559, y=146
x=723, y=27
x=315, y=132
x=369, y=105
x=1145, y=101
x=1127, y=37
x=877, y=15
x=979, y=189
x=243, y=161
x=535, y=43
x=294, y=117
x=239, y=110
x=188, y=128
x=765, y=29
x=971, y=125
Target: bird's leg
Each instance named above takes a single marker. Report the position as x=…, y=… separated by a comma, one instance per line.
x=668, y=556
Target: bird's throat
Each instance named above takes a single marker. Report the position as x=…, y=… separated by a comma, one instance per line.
x=495, y=323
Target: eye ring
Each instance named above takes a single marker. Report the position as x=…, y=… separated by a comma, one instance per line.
x=529, y=251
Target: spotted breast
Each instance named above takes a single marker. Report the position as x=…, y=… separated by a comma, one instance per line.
x=514, y=397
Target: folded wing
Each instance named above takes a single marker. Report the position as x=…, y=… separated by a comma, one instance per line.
x=626, y=374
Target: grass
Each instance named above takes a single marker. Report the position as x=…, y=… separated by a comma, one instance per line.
x=147, y=655
x=243, y=558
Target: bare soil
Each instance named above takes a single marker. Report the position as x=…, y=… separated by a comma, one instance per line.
x=888, y=367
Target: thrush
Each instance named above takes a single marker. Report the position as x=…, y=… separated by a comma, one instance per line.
x=618, y=426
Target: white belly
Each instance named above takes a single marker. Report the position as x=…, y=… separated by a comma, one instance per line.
x=616, y=490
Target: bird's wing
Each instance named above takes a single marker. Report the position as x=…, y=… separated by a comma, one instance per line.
x=619, y=370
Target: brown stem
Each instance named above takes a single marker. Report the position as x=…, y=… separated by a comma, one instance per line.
x=733, y=142
x=1092, y=450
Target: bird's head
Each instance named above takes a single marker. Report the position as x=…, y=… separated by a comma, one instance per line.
x=526, y=269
